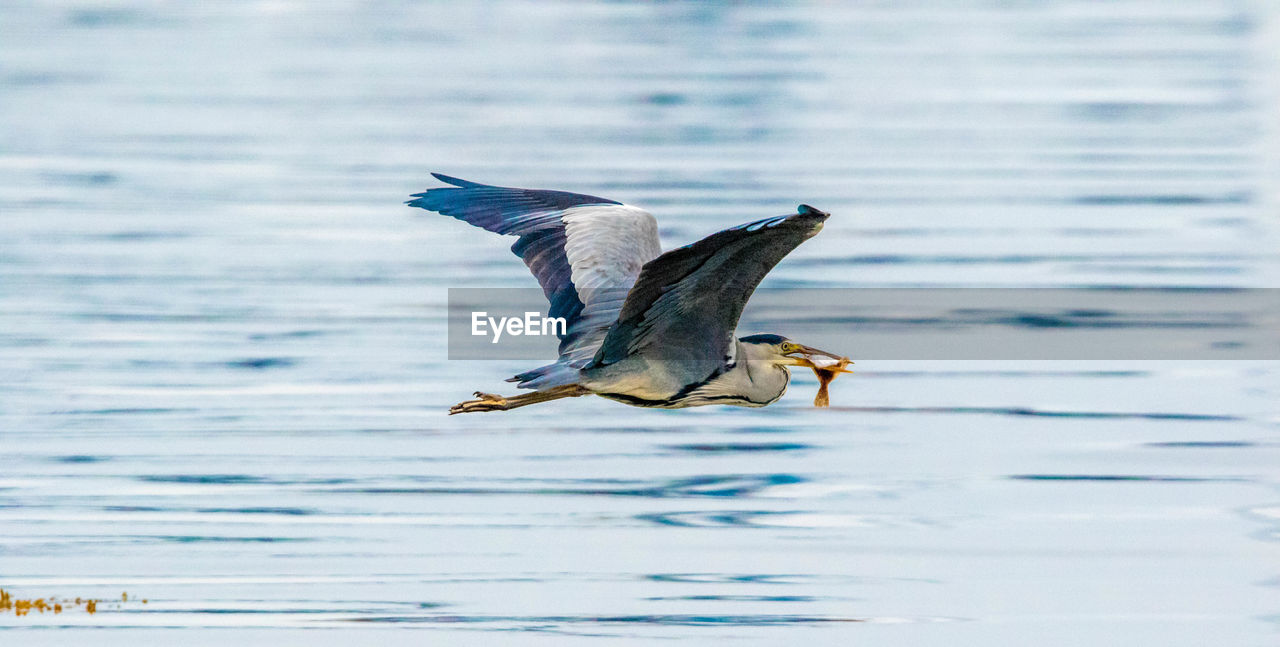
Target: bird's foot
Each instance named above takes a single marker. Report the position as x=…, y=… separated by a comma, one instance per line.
x=486, y=402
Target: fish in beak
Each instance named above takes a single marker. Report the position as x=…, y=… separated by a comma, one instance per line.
x=826, y=366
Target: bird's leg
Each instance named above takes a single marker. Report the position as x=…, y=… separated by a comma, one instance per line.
x=491, y=402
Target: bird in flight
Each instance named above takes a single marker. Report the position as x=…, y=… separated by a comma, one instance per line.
x=645, y=328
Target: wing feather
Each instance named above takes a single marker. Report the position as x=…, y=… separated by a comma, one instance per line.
x=585, y=251
x=686, y=304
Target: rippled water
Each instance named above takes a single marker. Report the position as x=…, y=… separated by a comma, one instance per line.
x=223, y=377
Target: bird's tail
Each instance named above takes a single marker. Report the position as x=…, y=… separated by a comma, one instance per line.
x=545, y=377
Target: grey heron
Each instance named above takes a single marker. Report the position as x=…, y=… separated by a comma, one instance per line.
x=644, y=328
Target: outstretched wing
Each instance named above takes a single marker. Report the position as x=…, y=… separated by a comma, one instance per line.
x=687, y=302
x=585, y=251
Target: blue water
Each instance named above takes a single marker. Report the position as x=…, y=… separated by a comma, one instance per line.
x=222, y=367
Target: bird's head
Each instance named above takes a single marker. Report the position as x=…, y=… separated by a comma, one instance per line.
x=784, y=352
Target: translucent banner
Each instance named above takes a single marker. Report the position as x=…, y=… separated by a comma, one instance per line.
x=921, y=324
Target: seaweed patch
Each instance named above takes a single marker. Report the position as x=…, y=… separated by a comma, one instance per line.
x=56, y=604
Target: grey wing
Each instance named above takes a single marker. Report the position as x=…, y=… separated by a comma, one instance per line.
x=585, y=251
x=687, y=302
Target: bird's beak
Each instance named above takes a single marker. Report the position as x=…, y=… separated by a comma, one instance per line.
x=811, y=357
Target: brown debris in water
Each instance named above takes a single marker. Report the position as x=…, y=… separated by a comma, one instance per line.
x=53, y=604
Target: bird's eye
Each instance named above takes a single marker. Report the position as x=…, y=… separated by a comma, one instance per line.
x=788, y=347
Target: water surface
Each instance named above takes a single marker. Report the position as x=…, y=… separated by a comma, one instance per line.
x=223, y=378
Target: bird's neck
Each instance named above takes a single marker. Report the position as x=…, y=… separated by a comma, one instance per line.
x=757, y=372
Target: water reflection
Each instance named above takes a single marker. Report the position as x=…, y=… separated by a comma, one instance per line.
x=715, y=486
